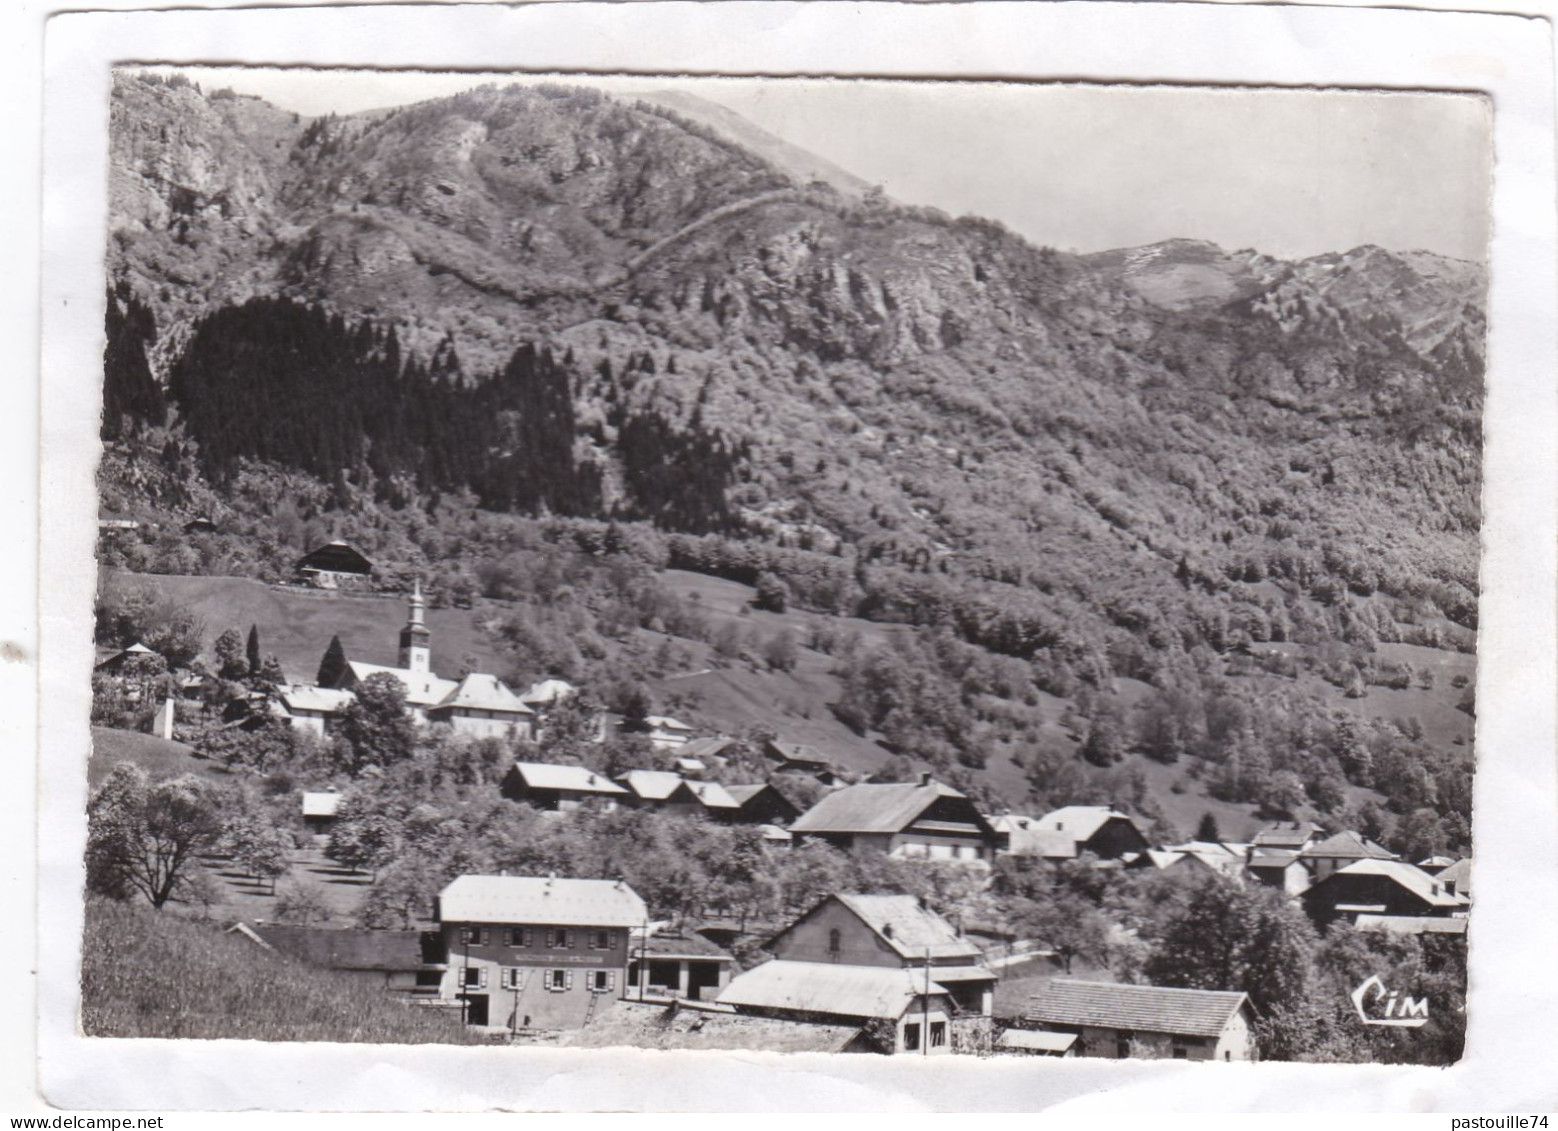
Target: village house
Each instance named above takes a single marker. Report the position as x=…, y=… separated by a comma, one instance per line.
x=114, y=663
x=1278, y=868
x=666, y=733
x=1121, y=1021
x=672, y=793
x=313, y=709
x=913, y=820
x=319, y=811
x=1380, y=887
x=1326, y=856
x=890, y=930
x=1433, y=865
x=1224, y=859
x=334, y=565
x=200, y=524
x=529, y=952
x=895, y=1009
x=676, y=964
x=1067, y=833
x=796, y=758
x=562, y=788
x=1288, y=836
x=761, y=803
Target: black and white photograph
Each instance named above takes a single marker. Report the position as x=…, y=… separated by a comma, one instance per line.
x=962, y=575
x=788, y=565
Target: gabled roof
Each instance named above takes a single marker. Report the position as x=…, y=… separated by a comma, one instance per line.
x=1349, y=845
x=1150, y=1009
x=705, y=747
x=650, y=785
x=423, y=689
x=828, y=988
x=911, y=929
x=746, y=791
x=677, y=945
x=534, y=899
x=1287, y=834
x=1458, y=874
x=482, y=692
x=873, y=807
x=579, y=779
x=1430, y=889
x=1273, y=858
x=665, y=722
x=321, y=804
x=308, y=697
x=795, y=752
x=1079, y=822
x=336, y=557
x=709, y=794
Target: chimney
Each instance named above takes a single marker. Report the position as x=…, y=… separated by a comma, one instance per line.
x=924, y=777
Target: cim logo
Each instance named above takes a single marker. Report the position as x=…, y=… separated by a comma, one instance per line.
x=1379, y=1005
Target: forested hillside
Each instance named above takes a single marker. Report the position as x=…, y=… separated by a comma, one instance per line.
x=1167, y=503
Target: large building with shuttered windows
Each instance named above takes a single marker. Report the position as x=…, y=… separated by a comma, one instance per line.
x=536, y=953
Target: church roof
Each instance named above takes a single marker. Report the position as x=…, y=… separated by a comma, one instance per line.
x=423, y=689
x=479, y=691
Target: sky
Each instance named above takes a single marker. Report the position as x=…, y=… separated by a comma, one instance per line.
x=1291, y=173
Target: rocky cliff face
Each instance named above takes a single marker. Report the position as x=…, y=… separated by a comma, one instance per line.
x=894, y=375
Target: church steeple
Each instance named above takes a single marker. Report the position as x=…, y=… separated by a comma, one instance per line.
x=416, y=642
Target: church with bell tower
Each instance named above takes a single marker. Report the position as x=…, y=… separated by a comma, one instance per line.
x=478, y=704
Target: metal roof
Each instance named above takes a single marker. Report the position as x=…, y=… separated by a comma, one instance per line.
x=423, y=689
x=307, y=697
x=482, y=692
x=828, y=988
x=1150, y=1009
x=1349, y=845
x=906, y=926
x=1079, y=822
x=1287, y=834
x=1412, y=924
x=579, y=779
x=1430, y=889
x=541, y=900
x=321, y=804
x=872, y=807
x=651, y=785
x=1458, y=874
x=346, y=949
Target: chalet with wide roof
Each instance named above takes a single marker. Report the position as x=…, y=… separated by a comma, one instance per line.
x=1291, y=836
x=1120, y=1021
x=1380, y=887
x=854, y=929
x=1326, y=856
x=672, y=793
x=914, y=1012
x=404, y=962
x=560, y=787
x=762, y=803
x=536, y=953
x=1457, y=878
x=924, y=820
x=333, y=565
x=1068, y=832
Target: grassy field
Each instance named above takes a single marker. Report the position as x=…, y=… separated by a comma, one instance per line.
x=296, y=624
x=145, y=974
x=157, y=756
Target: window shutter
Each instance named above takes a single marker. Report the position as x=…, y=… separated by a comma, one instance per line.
x=481, y=978
x=611, y=980
x=529, y=936
x=551, y=938
x=568, y=940
x=568, y=984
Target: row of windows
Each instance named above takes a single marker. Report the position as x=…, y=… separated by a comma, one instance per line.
x=555, y=981
x=553, y=938
x=911, y=1035
x=943, y=851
